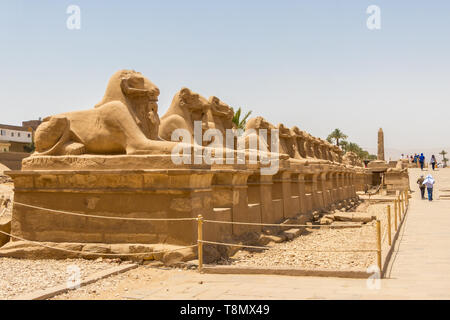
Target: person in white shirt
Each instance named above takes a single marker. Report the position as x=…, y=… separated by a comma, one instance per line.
x=429, y=182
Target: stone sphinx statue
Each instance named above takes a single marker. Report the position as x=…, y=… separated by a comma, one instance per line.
x=253, y=139
x=125, y=122
x=336, y=153
x=351, y=158
x=187, y=107
x=299, y=137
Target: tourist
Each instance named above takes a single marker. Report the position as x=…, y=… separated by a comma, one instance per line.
x=421, y=186
x=429, y=182
x=421, y=161
x=433, y=161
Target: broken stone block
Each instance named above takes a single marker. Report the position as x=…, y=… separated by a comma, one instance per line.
x=324, y=221
x=292, y=233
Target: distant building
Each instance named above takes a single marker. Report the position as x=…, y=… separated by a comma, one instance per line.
x=33, y=124
x=17, y=138
x=4, y=146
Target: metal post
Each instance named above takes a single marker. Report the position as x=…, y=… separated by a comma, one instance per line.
x=407, y=197
x=200, y=243
x=395, y=214
x=403, y=204
x=379, y=245
x=389, y=224
x=406, y=200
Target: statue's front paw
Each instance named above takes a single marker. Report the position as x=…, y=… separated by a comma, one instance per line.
x=75, y=148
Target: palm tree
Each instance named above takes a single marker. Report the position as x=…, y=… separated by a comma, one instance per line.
x=444, y=159
x=353, y=147
x=344, y=145
x=336, y=135
x=240, y=124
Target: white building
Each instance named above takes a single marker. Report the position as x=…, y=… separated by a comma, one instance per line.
x=15, y=134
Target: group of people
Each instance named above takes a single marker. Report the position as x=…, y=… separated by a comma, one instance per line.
x=421, y=160
x=427, y=183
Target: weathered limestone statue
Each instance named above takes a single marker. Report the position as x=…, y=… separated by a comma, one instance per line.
x=351, y=158
x=299, y=137
x=287, y=141
x=125, y=122
x=188, y=107
x=337, y=154
x=251, y=134
x=380, y=155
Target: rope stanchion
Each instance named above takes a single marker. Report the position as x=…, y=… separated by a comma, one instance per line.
x=395, y=215
x=389, y=224
x=96, y=253
x=379, y=245
x=200, y=242
x=286, y=249
x=104, y=217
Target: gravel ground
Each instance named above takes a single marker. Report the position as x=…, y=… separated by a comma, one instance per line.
x=289, y=254
x=19, y=276
x=119, y=286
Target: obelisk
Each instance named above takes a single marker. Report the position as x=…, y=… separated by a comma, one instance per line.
x=380, y=155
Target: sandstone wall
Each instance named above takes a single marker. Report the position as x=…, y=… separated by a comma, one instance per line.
x=13, y=160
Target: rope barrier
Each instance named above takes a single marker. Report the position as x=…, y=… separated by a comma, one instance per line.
x=286, y=249
x=180, y=219
x=104, y=217
x=97, y=253
x=278, y=225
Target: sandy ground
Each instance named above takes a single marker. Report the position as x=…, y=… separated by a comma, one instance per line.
x=18, y=276
x=121, y=285
x=290, y=254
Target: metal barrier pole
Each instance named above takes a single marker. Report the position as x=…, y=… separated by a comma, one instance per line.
x=379, y=245
x=389, y=224
x=407, y=197
x=200, y=243
x=395, y=214
x=406, y=200
x=403, y=204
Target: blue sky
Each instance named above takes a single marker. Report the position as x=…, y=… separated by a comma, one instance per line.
x=313, y=64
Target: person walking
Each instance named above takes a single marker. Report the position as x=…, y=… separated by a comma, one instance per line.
x=429, y=182
x=433, y=161
x=421, y=186
x=421, y=161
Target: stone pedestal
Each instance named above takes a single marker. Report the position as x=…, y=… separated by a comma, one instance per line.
x=230, y=191
x=260, y=192
x=93, y=185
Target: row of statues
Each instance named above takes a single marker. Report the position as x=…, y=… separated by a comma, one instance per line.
x=126, y=121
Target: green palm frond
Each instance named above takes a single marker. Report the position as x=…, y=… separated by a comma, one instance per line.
x=240, y=123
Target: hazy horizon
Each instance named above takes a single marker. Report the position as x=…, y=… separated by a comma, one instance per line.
x=311, y=64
